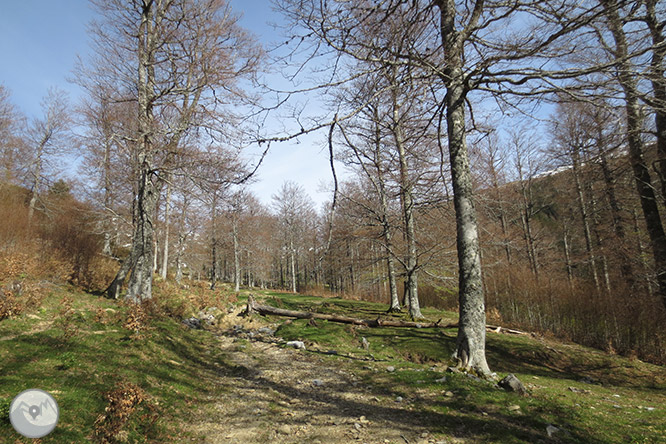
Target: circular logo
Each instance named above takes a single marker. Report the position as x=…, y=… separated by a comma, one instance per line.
x=34, y=413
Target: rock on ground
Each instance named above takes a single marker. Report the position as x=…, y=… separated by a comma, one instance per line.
x=512, y=384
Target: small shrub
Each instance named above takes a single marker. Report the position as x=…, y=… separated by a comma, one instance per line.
x=137, y=320
x=167, y=301
x=9, y=305
x=176, y=301
x=122, y=402
x=18, y=297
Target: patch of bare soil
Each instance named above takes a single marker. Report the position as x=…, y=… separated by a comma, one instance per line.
x=272, y=394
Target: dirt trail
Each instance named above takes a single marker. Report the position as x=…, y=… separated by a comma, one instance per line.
x=272, y=394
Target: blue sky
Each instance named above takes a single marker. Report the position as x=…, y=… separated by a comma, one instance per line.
x=39, y=43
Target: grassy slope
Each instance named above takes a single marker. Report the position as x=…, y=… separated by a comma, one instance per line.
x=80, y=356
x=611, y=410
x=166, y=361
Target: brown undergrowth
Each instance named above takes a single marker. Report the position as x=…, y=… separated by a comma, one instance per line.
x=123, y=401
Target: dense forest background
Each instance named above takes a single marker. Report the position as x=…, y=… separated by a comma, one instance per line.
x=568, y=197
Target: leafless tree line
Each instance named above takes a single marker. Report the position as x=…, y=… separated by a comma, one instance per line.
x=418, y=97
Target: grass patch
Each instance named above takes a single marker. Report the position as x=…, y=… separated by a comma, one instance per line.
x=87, y=348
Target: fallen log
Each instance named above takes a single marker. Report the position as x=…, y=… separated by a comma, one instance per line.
x=499, y=329
x=254, y=307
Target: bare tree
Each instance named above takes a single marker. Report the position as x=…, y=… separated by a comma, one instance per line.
x=179, y=61
x=46, y=138
x=214, y=241
x=654, y=19
x=10, y=121
x=236, y=208
x=370, y=156
x=620, y=49
x=186, y=223
x=396, y=120
x=470, y=349
x=573, y=142
x=603, y=122
x=464, y=46
x=107, y=153
x=293, y=208
x=213, y=181
x=492, y=159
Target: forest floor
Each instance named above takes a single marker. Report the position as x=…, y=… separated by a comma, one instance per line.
x=282, y=395
x=400, y=389
x=238, y=381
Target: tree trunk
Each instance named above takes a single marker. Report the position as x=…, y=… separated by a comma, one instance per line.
x=213, y=270
x=37, y=175
x=567, y=258
x=641, y=173
x=658, y=87
x=179, y=254
x=167, y=214
x=237, y=270
x=613, y=203
x=248, y=270
x=525, y=218
x=33, y=202
x=471, y=333
x=350, y=254
x=253, y=307
x=599, y=242
x=641, y=254
x=156, y=244
x=471, y=340
x=113, y=290
x=393, y=285
x=582, y=206
x=503, y=222
x=139, y=287
x=386, y=226
x=292, y=265
x=106, y=247
x=526, y=214
x=141, y=256
x=180, y=249
x=411, y=286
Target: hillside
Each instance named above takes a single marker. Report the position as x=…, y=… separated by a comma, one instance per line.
x=124, y=374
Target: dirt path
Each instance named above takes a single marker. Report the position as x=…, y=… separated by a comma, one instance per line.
x=272, y=394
